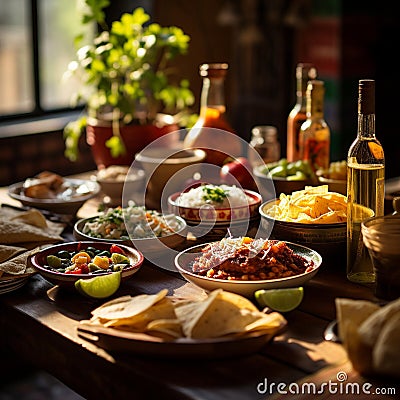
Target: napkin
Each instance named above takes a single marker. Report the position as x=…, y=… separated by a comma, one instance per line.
x=21, y=234
x=371, y=337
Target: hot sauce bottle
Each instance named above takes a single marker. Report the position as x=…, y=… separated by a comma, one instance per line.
x=304, y=72
x=212, y=132
x=314, y=132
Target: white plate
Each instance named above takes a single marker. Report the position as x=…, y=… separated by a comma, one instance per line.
x=60, y=206
x=245, y=288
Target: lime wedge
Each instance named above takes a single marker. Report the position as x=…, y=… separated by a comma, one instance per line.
x=281, y=300
x=99, y=287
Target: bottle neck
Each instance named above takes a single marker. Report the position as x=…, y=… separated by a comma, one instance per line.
x=315, y=106
x=366, y=126
x=212, y=94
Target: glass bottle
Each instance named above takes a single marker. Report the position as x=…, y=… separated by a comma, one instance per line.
x=365, y=184
x=315, y=134
x=304, y=72
x=264, y=139
x=212, y=132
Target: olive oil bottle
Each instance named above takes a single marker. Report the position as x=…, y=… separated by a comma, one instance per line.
x=365, y=184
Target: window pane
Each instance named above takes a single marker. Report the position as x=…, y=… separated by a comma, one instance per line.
x=16, y=78
x=60, y=22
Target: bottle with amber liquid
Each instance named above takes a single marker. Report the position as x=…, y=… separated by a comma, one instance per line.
x=212, y=132
x=315, y=134
x=304, y=73
x=365, y=184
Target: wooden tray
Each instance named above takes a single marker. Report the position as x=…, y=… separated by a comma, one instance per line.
x=116, y=340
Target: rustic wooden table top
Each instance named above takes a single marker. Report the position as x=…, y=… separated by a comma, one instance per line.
x=39, y=323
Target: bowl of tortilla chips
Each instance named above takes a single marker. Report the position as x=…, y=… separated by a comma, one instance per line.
x=315, y=217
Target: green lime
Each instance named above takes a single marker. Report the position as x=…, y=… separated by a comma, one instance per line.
x=281, y=300
x=99, y=287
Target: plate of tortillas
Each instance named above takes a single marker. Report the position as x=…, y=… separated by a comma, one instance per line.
x=22, y=233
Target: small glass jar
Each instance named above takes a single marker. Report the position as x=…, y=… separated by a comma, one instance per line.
x=396, y=204
x=264, y=139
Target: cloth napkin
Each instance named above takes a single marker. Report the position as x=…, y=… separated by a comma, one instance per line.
x=21, y=234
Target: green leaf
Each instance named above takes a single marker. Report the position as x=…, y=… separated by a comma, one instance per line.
x=116, y=146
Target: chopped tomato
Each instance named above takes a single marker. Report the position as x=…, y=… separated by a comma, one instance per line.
x=116, y=249
x=75, y=271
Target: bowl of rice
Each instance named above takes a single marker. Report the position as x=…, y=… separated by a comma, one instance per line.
x=148, y=230
x=215, y=204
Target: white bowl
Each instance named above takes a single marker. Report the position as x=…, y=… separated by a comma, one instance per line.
x=57, y=205
x=150, y=247
x=245, y=288
x=217, y=215
x=129, y=182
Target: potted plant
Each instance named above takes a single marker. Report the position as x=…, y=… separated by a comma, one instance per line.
x=128, y=82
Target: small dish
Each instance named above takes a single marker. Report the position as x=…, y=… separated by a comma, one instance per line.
x=246, y=287
x=67, y=205
x=117, y=181
x=214, y=215
x=150, y=246
x=38, y=260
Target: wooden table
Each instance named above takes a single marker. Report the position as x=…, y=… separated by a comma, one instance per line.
x=38, y=323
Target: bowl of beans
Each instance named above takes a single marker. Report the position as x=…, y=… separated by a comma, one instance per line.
x=63, y=264
x=244, y=265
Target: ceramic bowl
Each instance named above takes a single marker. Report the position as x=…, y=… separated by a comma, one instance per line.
x=335, y=185
x=38, y=261
x=245, y=288
x=214, y=215
x=381, y=236
x=150, y=247
x=327, y=239
x=271, y=188
x=166, y=169
x=117, y=180
x=70, y=205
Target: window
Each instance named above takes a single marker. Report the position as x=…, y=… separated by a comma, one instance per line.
x=36, y=44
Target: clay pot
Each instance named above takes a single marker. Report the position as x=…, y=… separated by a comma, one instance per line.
x=135, y=137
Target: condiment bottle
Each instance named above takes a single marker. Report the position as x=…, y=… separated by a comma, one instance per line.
x=264, y=139
x=304, y=72
x=365, y=184
x=212, y=132
x=315, y=134
x=396, y=205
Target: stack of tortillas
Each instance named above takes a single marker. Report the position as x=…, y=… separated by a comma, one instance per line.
x=22, y=233
x=371, y=335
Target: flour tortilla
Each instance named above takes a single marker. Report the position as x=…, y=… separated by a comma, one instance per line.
x=371, y=328
x=356, y=311
x=128, y=306
x=18, y=265
x=6, y=252
x=386, y=352
x=222, y=313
